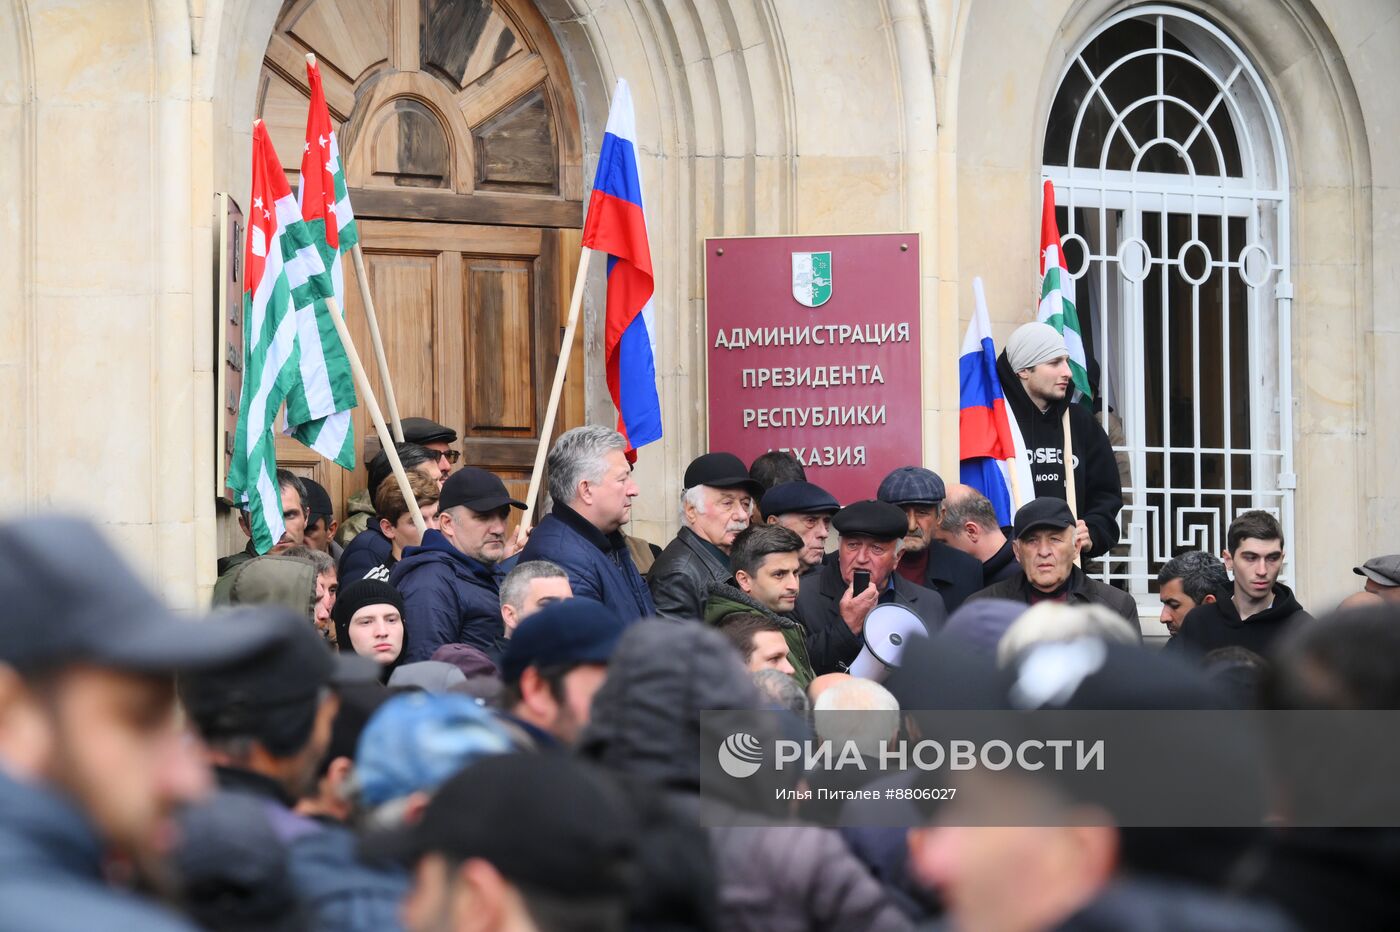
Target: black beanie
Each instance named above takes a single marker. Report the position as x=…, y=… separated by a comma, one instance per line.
x=355, y=597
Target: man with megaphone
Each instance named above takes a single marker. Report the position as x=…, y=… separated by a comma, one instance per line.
x=835, y=602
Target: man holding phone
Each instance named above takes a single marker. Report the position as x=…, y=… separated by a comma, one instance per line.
x=834, y=602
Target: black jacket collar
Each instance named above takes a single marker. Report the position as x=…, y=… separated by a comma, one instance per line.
x=607, y=543
x=235, y=780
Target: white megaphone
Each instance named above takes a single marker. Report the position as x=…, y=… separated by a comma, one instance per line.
x=887, y=633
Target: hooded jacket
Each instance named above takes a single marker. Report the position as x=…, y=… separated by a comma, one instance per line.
x=680, y=576
x=270, y=580
x=1097, y=486
x=448, y=598
x=1218, y=624
x=725, y=599
x=645, y=722
x=366, y=550
x=51, y=871
x=599, y=565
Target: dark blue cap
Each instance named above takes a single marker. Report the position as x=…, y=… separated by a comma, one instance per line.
x=563, y=633
x=797, y=498
x=912, y=485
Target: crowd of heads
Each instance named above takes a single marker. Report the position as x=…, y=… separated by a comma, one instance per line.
x=462, y=734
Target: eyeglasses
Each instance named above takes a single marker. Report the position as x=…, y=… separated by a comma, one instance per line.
x=452, y=455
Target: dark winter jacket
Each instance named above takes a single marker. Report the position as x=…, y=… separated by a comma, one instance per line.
x=51, y=871
x=599, y=565
x=951, y=573
x=1139, y=905
x=1218, y=624
x=366, y=550
x=830, y=644
x=726, y=599
x=448, y=598
x=1097, y=486
x=1083, y=590
x=337, y=891
x=680, y=577
x=1001, y=566
x=645, y=721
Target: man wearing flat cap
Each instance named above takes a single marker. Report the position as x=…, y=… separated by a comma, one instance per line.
x=1044, y=544
x=925, y=560
x=715, y=507
x=806, y=510
x=872, y=535
x=1035, y=378
x=1382, y=576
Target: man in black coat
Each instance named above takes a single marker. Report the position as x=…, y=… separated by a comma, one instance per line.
x=716, y=505
x=1035, y=378
x=872, y=533
x=969, y=523
x=1044, y=546
x=1259, y=607
x=925, y=560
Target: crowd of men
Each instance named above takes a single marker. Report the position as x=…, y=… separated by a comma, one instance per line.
x=467, y=729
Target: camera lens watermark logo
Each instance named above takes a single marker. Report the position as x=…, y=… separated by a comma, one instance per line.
x=740, y=755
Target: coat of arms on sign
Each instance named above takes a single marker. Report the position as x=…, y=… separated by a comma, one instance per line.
x=811, y=278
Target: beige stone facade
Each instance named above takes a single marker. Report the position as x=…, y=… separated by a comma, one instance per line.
x=121, y=119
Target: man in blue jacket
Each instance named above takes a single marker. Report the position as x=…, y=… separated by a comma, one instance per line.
x=591, y=483
x=449, y=583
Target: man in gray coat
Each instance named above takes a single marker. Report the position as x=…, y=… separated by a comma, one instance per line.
x=715, y=507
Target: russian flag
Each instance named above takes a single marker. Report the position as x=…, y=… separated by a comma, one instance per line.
x=987, y=433
x=617, y=226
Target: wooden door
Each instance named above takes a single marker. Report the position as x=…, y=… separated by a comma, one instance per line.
x=461, y=146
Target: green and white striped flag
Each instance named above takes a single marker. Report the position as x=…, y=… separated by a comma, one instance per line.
x=318, y=410
x=283, y=272
x=1057, y=296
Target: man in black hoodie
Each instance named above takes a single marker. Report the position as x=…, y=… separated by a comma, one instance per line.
x=1259, y=607
x=1034, y=371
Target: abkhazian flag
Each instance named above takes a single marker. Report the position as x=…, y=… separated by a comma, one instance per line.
x=1057, y=296
x=283, y=271
x=987, y=431
x=617, y=226
x=318, y=408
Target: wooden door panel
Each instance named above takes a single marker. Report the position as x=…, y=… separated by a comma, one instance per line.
x=500, y=347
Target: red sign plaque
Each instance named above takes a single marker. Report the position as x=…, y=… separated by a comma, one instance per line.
x=812, y=344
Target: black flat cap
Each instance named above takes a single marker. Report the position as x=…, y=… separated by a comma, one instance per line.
x=721, y=471
x=421, y=430
x=800, y=498
x=1041, y=513
x=69, y=598
x=872, y=518
x=479, y=490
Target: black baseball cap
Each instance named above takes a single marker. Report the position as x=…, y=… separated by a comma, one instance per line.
x=721, y=471
x=563, y=633
x=547, y=822
x=421, y=430
x=871, y=518
x=1042, y=512
x=70, y=598
x=476, y=488
x=318, y=500
x=802, y=498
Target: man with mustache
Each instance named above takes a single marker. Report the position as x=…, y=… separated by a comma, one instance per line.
x=1035, y=377
x=715, y=507
x=449, y=583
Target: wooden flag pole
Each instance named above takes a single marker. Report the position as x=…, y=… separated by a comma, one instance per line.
x=367, y=393
x=378, y=342
x=1071, y=494
x=560, y=368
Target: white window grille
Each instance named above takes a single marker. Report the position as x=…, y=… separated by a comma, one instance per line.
x=1171, y=186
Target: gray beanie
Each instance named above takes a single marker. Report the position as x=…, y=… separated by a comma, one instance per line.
x=1034, y=343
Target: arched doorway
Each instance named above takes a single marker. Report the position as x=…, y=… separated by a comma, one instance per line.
x=462, y=149
x=1172, y=191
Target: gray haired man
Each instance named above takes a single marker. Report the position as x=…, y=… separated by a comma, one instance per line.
x=591, y=483
x=528, y=588
x=1187, y=580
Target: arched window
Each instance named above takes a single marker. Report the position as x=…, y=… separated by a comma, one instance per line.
x=1171, y=187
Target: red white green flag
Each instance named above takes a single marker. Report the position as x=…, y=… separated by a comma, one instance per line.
x=1057, y=295
x=283, y=271
x=318, y=409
